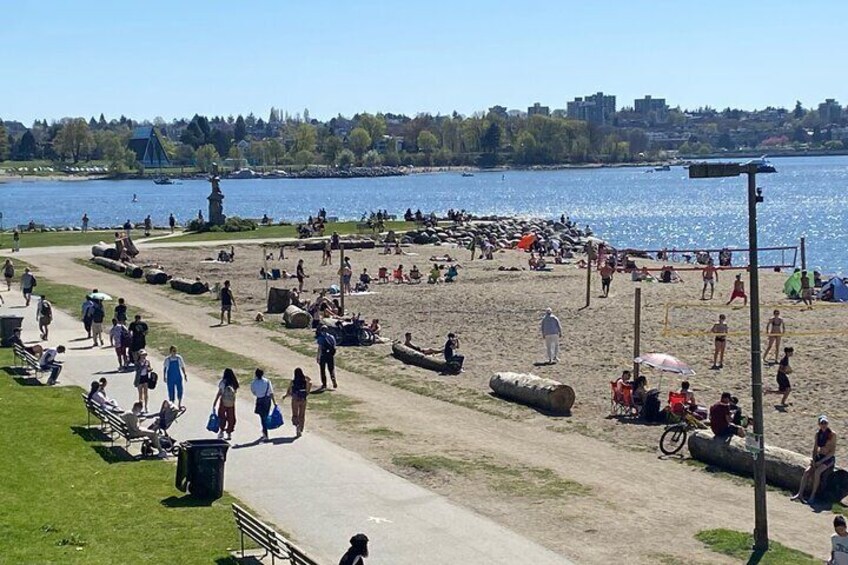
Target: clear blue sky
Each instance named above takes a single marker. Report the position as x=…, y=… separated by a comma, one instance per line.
x=174, y=58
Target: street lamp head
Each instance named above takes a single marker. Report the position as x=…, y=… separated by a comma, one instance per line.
x=759, y=198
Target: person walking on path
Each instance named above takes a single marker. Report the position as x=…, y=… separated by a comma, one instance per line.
x=774, y=330
x=28, y=283
x=142, y=377
x=358, y=551
x=299, y=388
x=44, y=312
x=16, y=241
x=300, y=275
x=738, y=290
x=172, y=222
x=8, y=273
x=84, y=222
x=228, y=301
x=710, y=276
x=48, y=362
x=138, y=337
x=719, y=330
x=148, y=226
x=822, y=459
x=174, y=372
x=86, y=311
x=606, y=271
x=263, y=390
x=326, y=356
x=121, y=311
x=119, y=338
x=551, y=333
x=226, y=403
x=839, y=542
x=98, y=314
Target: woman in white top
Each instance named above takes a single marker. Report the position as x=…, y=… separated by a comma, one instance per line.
x=263, y=390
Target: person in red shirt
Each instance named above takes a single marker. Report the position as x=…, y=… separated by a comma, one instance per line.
x=721, y=419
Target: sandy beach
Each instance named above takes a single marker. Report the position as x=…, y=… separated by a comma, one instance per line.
x=497, y=314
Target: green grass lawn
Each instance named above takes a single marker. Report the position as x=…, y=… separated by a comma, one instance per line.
x=56, y=239
x=738, y=545
x=270, y=232
x=67, y=498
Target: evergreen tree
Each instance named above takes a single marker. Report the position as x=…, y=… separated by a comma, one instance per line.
x=240, y=131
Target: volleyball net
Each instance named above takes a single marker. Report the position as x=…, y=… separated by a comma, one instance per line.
x=727, y=258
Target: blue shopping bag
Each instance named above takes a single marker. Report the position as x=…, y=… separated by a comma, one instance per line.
x=274, y=419
x=212, y=424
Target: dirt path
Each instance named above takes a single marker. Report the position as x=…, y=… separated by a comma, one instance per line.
x=655, y=506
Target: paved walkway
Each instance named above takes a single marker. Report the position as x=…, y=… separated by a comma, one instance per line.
x=317, y=491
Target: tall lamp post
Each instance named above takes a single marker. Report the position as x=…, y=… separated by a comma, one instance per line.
x=713, y=170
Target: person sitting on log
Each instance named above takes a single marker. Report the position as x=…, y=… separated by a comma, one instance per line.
x=721, y=419
x=454, y=360
x=823, y=459
x=407, y=341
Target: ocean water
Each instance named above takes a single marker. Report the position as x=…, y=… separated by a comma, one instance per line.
x=627, y=206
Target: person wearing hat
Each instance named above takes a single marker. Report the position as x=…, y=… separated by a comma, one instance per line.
x=357, y=552
x=551, y=332
x=142, y=377
x=824, y=458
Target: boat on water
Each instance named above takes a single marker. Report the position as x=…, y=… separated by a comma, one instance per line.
x=763, y=165
x=468, y=174
x=163, y=180
x=662, y=168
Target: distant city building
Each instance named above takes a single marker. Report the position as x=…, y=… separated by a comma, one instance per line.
x=598, y=109
x=147, y=146
x=538, y=110
x=654, y=110
x=830, y=111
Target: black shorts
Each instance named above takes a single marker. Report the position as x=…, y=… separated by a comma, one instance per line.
x=783, y=382
x=729, y=431
x=606, y=281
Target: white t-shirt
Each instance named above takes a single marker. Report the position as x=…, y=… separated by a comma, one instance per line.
x=48, y=357
x=115, y=334
x=261, y=388
x=839, y=547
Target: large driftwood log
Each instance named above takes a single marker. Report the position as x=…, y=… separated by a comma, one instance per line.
x=546, y=394
x=412, y=357
x=103, y=249
x=278, y=300
x=134, y=271
x=110, y=264
x=155, y=276
x=296, y=318
x=783, y=467
x=189, y=286
x=348, y=244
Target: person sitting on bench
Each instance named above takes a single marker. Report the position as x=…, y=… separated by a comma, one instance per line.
x=48, y=362
x=34, y=350
x=131, y=419
x=97, y=395
x=407, y=341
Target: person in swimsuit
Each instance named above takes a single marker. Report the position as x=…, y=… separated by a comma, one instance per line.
x=774, y=331
x=784, y=387
x=806, y=291
x=720, y=331
x=824, y=457
x=299, y=388
x=710, y=276
x=299, y=273
x=738, y=290
x=606, y=273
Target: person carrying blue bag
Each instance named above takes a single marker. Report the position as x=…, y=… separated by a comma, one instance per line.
x=263, y=390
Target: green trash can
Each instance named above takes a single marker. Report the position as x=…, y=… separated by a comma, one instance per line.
x=200, y=467
x=8, y=325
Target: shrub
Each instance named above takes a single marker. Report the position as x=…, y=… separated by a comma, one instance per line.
x=231, y=224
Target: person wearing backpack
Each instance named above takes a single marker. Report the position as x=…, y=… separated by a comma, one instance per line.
x=97, y=316
x=119, y=338
x=226, y=404
x=8, y=273
x=326, y=356
x=45, y=317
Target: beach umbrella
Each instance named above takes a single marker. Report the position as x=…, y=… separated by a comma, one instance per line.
x=665, y=362
x=99, y=296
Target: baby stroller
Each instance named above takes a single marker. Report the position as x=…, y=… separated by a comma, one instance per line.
x=167, y=415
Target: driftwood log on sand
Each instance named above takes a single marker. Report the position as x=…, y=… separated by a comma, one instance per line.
x=134, y=271
x=783, y=467
x=110, y=264
x=155, y=276
x=106, y=250
x=189, y=286
x=412, y=357
x=296, y=318
x=546, y=394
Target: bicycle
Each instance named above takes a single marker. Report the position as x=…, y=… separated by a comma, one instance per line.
x=674, y=437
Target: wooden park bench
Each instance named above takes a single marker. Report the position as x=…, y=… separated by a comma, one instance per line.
x=271, y=541
x=118, y=427
x=26, y=359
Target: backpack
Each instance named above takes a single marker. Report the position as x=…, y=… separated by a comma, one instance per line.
x=228, y=396
x=97, y=313
x=329, y=348
x=125, y=335
x=46, y=310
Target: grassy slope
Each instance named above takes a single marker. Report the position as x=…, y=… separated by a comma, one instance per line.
x=270, y=232
x=56, y=239
x=738, y=545
x=70, y=500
